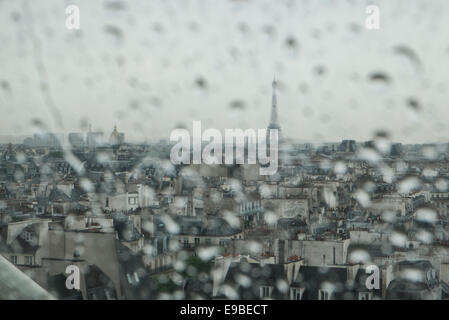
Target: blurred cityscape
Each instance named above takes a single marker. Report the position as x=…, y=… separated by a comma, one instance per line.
x=139, y=227
x=93, y=205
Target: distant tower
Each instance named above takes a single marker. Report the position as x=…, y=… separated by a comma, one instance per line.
x=274, y=124
x=115, y=138
x=274, y=111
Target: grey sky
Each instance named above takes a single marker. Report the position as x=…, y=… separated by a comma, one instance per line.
x=150, y=66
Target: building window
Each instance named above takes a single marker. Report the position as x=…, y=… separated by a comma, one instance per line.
x=28, y=260
x=108, y=294
x=28, y=236
x=365, y=295
x=296, y=293
x=324, y=295
x=208, y=241
x=265, y=292
x=93, y=296
x=14, y=259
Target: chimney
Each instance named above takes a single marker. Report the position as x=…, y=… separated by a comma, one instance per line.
x=281, y=245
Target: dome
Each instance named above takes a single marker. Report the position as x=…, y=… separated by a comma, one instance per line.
x=114, y=139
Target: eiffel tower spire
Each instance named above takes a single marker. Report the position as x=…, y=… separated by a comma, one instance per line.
x=274, y=112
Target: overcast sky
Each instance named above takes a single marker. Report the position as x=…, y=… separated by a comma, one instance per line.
x=149, y=66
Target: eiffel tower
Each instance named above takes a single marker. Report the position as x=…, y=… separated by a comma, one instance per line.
x=274, y=112
x=274, y=124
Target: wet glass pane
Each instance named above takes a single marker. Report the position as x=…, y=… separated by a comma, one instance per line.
x=229, y=149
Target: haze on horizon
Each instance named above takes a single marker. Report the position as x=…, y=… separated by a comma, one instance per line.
x=152, y=66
